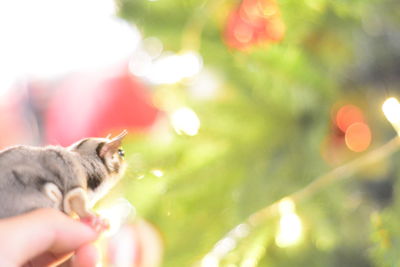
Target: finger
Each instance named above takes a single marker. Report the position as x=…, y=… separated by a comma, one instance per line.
x=47, y=259
x=45, y=230
x=86, y=256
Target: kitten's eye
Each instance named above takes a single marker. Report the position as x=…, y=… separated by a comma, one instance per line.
x=121, y=152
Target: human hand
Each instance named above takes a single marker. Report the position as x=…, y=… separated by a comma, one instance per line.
x=46, y=237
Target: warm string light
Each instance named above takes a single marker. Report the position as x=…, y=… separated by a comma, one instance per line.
x=391, y=109
x=290, y=226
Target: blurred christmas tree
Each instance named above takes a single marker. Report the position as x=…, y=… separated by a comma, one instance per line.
x=265, y=96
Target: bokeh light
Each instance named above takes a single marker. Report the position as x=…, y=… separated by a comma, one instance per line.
x=157, y=173
x=347, y=115
x=171, y=68
x=205, y=85
x=185, y=121
x=391, y=109
x=290, y=226
x=286, y=205
x=358, y=137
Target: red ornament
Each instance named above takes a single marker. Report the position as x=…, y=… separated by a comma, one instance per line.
x=96, y=105
x=254, y=22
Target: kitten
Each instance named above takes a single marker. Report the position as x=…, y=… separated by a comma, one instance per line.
x=70, y=179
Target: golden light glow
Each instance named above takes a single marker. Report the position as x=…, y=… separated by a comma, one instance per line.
x=391, y=109
x=286, y=205
x=116, y=213
x=290, y=226
x=185, y=121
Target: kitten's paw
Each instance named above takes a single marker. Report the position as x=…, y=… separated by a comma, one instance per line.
x=95, y=222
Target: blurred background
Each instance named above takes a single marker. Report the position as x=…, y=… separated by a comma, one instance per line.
x=231, y=106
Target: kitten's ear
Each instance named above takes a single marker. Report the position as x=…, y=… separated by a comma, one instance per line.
x=113, y=145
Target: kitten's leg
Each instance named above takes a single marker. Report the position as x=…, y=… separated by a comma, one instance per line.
x=75, y=201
